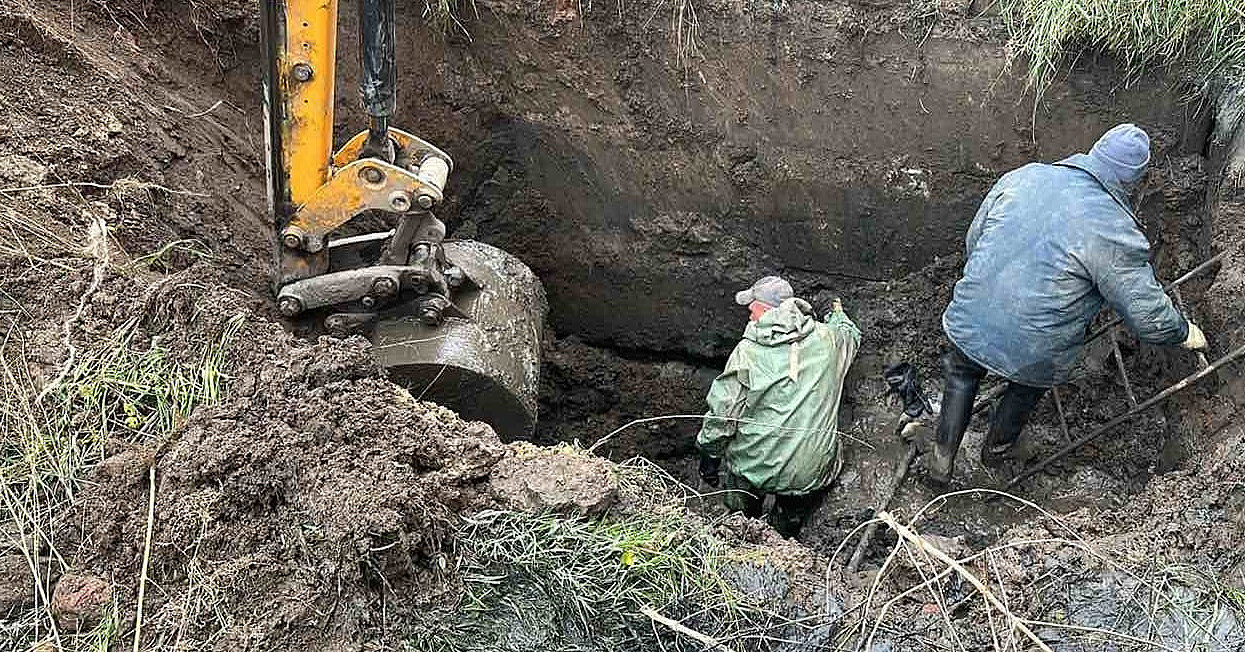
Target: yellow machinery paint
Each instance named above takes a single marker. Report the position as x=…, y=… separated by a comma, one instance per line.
x=308, y=70
x=463, y=316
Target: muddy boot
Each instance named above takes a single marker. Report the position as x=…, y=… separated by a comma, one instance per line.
x=1007, y=420
x=961, y=377
x=939, y=464
x=995, y=455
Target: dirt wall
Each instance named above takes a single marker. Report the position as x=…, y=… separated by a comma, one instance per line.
x=801, y=140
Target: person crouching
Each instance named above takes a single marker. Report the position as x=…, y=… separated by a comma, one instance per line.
x=773, y=412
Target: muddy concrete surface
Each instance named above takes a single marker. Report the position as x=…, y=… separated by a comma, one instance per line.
x=845, y=145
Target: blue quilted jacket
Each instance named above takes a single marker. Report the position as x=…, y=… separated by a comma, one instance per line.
x=1049, y=245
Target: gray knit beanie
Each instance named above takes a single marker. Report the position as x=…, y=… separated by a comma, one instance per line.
x=1125, y=150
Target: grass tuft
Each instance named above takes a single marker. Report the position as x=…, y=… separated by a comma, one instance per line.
x=1206, y=37
x=592, y=578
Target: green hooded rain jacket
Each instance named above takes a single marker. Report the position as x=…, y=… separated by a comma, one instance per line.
x=773, y=413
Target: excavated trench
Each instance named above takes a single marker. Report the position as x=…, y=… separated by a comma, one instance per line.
x=849, y=161
x=842, y=145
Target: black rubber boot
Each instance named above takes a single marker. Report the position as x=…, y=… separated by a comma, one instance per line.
x=1007, y=419
x=961, y=377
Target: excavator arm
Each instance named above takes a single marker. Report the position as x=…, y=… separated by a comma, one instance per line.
x=458, y=322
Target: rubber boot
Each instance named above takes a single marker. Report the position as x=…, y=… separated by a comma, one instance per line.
x=961, y=378
x=1007, y=419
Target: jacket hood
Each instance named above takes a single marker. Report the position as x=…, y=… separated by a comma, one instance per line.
x=791, y=321
x=1106, y=178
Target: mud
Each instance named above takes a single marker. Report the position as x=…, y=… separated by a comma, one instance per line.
x=590, y=395
x=352, y=488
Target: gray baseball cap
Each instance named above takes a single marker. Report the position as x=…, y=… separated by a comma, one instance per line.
x=770, y=290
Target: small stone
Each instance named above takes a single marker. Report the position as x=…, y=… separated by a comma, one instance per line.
x=80, y=602
x=559, y=479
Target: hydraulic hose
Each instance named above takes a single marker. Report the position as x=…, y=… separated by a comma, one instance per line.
x=379, y=81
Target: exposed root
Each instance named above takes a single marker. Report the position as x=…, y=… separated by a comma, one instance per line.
x=97, y=248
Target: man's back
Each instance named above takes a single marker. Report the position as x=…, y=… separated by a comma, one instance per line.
x=784, y=381
x=1048, y=245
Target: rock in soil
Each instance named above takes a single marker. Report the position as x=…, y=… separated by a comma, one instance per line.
x=558, y=480
x=80, y=602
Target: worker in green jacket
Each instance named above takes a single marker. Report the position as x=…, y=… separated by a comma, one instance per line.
x=773, y=413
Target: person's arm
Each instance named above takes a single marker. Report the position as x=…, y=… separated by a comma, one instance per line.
x=727, y=399
x=1120, y=267
x=842, y=326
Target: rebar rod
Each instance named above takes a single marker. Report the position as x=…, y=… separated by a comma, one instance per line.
x=1181, y=385
x=1202, y=362
x=1119, y=364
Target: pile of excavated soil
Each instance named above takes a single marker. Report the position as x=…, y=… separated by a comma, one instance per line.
x=319, y=506
x=314, y=503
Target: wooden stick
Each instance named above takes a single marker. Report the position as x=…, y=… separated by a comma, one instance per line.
x=1183, y=384
x=710, y=643
x=897, y=479
x=1063, y=419
x=915, y=539
x=142, y=583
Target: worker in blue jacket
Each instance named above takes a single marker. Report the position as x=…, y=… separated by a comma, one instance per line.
x=1049, y=245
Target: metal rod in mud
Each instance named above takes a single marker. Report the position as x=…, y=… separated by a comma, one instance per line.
x=1063, y=419
x=1119, y=363
x=1183, y=384
x=897, y=479
x=1202, y=362
x=1117, y=320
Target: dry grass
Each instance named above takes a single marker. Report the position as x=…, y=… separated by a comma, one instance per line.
x=116, y=391
x=1205, y=37
x=1037, y=593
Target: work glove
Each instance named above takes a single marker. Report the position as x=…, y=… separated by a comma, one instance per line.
x=1196, y=339
x=709, y=467
x=901, y=379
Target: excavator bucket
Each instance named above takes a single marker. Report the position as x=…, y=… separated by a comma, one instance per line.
x=459, y=323
x=484, y=364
